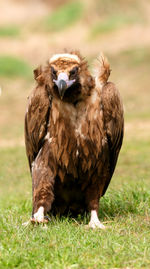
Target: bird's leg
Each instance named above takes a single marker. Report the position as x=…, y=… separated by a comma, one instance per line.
x=39, y=215
x=43, y=182
x=94, y=221
x=92, y=201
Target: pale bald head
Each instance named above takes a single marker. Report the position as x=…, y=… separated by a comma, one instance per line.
x=64, y=56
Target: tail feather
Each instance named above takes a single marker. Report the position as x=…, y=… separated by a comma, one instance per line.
x=102, y=69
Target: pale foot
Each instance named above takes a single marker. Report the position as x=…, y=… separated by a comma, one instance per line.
x=94, y=221
x=39, y=217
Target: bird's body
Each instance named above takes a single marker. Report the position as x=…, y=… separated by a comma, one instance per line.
x=73, y=137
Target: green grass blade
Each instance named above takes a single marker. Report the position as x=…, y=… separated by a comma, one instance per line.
x=9, y=31
x=111, y=24
x=63, y=17
x=14, y=67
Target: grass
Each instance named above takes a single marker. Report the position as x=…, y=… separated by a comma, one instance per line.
x=108, y=7
x=112, y=23
x=133, y=57
x=9, y=31
x=116, y=15
x=63, y=17
x=67, y=243
x=14, y=67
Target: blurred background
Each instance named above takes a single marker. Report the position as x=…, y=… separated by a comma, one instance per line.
x=32, y=30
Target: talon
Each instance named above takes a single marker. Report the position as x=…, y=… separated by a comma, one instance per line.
x=34, y=221
x=95, y=225
x=94, y=221
x=39, y=217
x=47, y=218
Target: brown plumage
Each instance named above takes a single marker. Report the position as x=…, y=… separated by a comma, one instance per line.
x=73, y=135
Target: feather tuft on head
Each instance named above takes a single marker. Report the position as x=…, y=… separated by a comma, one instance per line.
x=102, y=69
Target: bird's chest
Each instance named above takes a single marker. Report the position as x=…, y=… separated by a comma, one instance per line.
x=76, y=136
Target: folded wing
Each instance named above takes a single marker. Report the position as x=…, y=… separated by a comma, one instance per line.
x=36, y=119
x=112, y=114
x=114, y=124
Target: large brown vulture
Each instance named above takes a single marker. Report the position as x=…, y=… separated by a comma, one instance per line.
x=73, y=135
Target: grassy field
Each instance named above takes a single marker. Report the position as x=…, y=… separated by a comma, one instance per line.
x=67, y=243
x=120, y=29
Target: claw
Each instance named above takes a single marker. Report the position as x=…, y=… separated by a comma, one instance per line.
x=94, y=221
x=97, y=224
x=34, y=221
x=39, y=217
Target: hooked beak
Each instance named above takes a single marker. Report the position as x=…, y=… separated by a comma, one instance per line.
x=63, y=83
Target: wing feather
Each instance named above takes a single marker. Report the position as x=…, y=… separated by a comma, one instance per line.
x=114, y=125
x=36, y=121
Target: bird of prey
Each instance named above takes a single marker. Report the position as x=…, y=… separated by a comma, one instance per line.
x=74, y=128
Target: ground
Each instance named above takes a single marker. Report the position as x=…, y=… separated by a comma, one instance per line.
x=29, y=35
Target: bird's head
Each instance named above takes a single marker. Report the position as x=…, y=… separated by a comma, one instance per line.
x=65, y=69
x=67, y=76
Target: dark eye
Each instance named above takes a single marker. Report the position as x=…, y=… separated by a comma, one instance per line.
x=53, y=71
x=74, y=71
